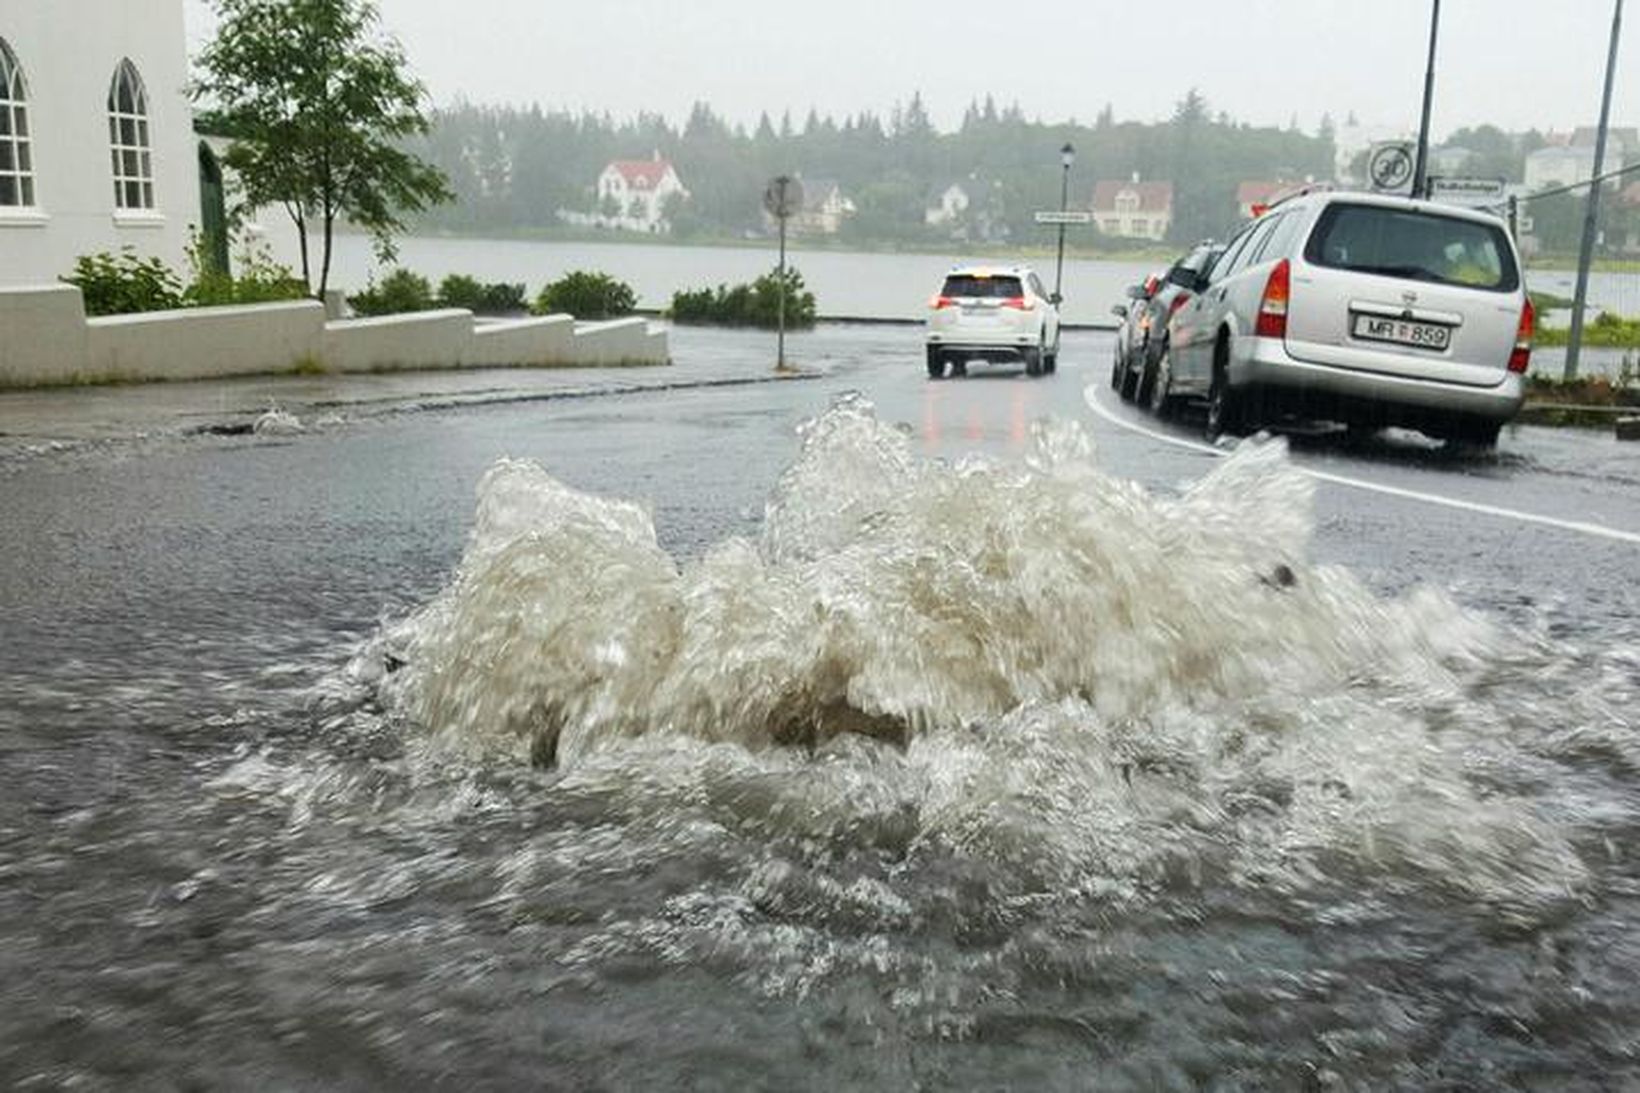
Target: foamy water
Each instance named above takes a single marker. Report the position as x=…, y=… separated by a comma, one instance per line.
x=1033, y=664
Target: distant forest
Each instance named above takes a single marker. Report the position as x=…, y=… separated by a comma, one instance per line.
x=514, y=168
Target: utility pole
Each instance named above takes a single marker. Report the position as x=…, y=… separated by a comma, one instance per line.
x=1067, y=156
x=1591, y=206
x=1420, y=171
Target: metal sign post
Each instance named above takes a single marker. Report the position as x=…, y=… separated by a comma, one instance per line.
x=1062, y=218
x=1591, y=206
x=781, y=198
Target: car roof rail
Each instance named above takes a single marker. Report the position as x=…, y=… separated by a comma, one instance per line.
x=1302, y=189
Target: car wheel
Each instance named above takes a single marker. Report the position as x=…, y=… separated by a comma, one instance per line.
x=1475, y=434
x=1161, y=385
x=1130, y=383
x=936, y=364
x=1116, y=371
x=1050, y=360
x=1032, y=357
x=1225, y=405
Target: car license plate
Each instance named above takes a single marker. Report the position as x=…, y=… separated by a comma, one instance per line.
x=1382, y=328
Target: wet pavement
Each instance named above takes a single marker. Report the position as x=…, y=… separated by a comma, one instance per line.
x=927, y=748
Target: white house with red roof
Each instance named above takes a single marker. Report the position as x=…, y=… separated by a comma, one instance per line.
x=1132, y=209
x=633, y=193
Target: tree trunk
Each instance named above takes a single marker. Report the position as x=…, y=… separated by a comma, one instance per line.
x=301, y=241
x=324, y=268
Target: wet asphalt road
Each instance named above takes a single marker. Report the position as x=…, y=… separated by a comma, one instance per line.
x=221, y=868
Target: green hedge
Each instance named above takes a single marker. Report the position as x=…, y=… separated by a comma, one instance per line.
x=756, y=304
x=586, y=295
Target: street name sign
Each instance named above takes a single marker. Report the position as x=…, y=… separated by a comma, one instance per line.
x=1069, y=216
x=1467, y=191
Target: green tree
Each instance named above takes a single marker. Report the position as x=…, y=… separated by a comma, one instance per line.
x=318, y=104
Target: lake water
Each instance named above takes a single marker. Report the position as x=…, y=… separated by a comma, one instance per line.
x=845, y=283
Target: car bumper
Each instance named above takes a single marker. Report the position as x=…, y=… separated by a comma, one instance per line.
x=1329, y=391
x=983, y=339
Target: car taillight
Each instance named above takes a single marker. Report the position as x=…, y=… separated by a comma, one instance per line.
x=1178, y=301
x=1521, y=356
x=1272, y=308
x=1018, y=303
x=940, y=302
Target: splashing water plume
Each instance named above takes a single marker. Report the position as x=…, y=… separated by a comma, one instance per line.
x=1077, y=673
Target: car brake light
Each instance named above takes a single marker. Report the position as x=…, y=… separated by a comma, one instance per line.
x=1178, y=301
x=1018, y=303
x=1272, y=308
x=940, y=302
x=1521, y=356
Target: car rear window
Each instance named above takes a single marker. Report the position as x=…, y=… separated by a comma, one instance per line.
x=1415, y=245
x=962, y=284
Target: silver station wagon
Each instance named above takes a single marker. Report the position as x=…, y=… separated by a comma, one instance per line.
x=1367, y=310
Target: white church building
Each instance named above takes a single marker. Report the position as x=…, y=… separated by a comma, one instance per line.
x=97, y=145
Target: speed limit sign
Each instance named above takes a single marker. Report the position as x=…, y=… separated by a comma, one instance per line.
x=1389, y=167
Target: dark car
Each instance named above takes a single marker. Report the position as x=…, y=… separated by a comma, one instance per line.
x=1135, y=326
x=1135, y=378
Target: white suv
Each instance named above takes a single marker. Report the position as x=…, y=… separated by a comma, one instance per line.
x=1362, y=309
x=992, y=313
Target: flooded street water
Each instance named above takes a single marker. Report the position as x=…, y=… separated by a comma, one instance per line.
x=853, y=733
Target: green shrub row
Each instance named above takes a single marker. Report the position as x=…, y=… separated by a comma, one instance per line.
x=124, y=283
x=756, y=304
x=403, y=290
x=1606, y=331
x=583, y=294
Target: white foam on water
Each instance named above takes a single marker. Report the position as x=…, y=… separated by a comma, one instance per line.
x=1095, y=684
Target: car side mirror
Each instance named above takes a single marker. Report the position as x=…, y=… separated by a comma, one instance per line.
x=1135, y=292
x=1119, y=311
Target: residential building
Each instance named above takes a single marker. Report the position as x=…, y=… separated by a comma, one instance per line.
x=1568, y=160
x=1558, y=166
x=1133, y=209
x=97, y=145
x=633, y=193
x=1254, y=195
x=825, y=207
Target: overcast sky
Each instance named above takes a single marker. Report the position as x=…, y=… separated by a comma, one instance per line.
x=1517, y=63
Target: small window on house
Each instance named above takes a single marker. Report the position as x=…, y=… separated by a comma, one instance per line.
x=128, y=140
x=16, y=146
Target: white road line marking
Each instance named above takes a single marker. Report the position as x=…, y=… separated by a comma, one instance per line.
x=1090, y=396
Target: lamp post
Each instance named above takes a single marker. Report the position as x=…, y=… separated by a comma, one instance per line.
x=1067, y=156
x=1420, y=173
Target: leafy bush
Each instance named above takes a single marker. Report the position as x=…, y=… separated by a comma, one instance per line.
x=586, y=295
x=460, y=290
x=399, y=292
x=261, y=280
x=756, y=304
x=120, y=284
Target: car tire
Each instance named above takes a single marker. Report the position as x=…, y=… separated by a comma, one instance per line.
x=1050, y=361
x=1032, y=356
x=1226, y=407
x=936, y=363
x=1130, y=383
x=1161, y=385
x=1475, y=434
x=1117, y=372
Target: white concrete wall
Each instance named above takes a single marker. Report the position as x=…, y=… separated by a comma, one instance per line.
x=543, y=341
x=42, y=335
x=69, y=50
x=423, y=339
x=618, y=341
x=205, y=342
x=45, y=338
